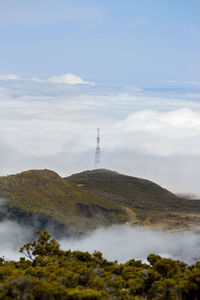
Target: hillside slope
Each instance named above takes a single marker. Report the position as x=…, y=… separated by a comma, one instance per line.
x=90, y=199
x=45, y=193
x=150, y=203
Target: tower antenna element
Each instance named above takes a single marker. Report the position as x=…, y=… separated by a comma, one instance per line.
x=97, y=153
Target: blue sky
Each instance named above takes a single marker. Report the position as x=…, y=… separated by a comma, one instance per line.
x=101, y=40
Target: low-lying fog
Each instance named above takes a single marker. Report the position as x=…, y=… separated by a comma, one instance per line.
x=116, y=243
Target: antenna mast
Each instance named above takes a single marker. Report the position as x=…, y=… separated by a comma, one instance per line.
x=97, y=153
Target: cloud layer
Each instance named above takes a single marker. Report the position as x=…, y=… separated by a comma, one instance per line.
x=68, y=78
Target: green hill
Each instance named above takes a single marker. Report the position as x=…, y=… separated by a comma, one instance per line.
x=90, y=199
x=44, y=193
x=149, y=203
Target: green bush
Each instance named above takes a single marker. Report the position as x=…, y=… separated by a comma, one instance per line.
x=48, y=273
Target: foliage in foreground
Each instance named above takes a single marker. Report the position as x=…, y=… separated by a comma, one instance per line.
x=50, y=273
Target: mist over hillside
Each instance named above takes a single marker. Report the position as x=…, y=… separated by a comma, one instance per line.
x=124, y=242
x=120, y=243
x=13, y=236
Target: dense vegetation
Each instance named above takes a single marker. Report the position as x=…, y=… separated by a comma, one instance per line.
x=47, y=272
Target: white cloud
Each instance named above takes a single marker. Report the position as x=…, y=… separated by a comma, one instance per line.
x=70, y=79
x=174, y=123
x=162, y=133
x=9, y=77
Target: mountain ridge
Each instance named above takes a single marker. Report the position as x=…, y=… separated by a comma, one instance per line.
x=84, y=201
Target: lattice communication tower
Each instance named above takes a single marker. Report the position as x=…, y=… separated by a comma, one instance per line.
x=97, y=153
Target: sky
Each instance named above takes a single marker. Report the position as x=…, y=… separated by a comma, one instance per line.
x=103, y=40
x=131, y=68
